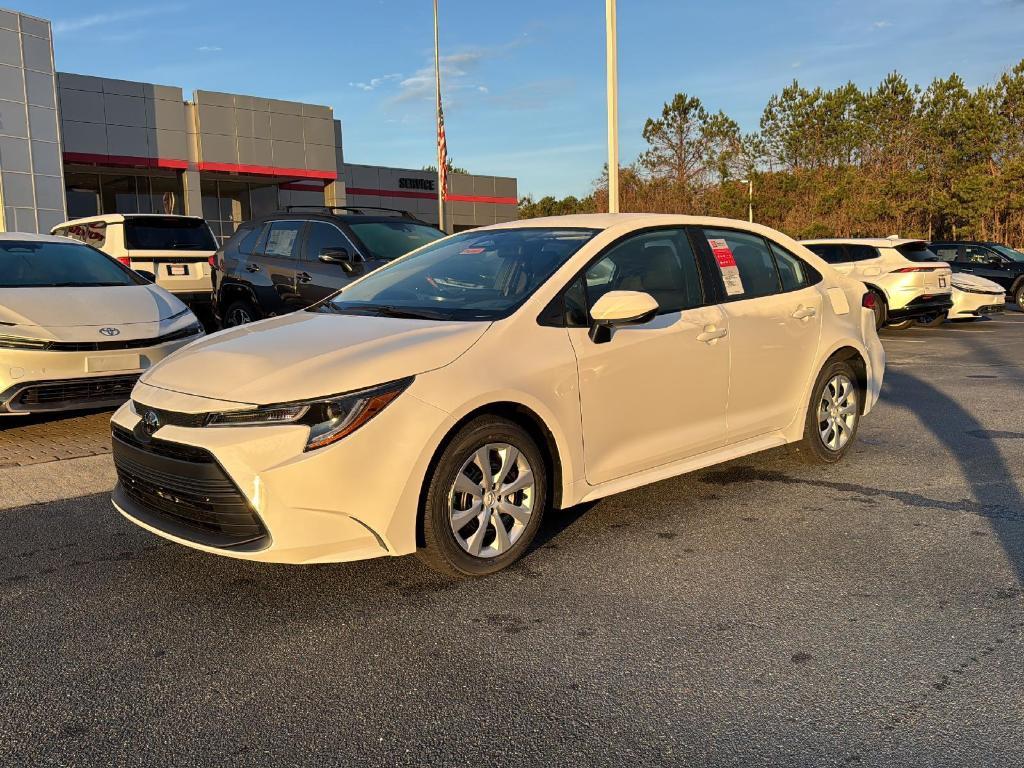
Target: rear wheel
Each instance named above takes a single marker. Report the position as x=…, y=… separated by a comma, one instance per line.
x=240, y=312
x=485, y=499
x=1018, y=296
x=879, y=308
x=833, y=415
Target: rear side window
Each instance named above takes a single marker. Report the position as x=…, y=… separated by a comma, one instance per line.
x=833, y=253
x=282, y=240
x=860, y=252
x=793, y=272
x=749, y=254
x=945, y=252
x=94, y=234
x=153, y=233
x=916, y=252
x=659, y=263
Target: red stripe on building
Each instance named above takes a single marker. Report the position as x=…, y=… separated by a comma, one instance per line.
x=268, y=170
x=125, y=161
x=431, y=196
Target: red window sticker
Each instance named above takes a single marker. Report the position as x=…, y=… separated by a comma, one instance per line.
x=727, y=266
x=471, y=251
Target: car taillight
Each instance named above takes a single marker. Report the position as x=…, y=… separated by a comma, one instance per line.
x=868, y=301
x=125, y=260
x=213, y=260
x=915, y=269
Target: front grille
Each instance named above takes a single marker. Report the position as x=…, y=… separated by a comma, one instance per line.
x=171, y=418
x=182, y=490
x=103, y=346
x=73, y=393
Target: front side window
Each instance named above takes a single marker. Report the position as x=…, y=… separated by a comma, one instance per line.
x=477, y=275
x=154, y=233
x=321, y=235
x=282, y=240
x=33, y=264
x=750, y=256
x=659, y=263
x=1009, y=253
x=391, y=239
x=977, y=255
x=793, y=273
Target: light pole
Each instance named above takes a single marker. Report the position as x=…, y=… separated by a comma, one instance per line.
x=613, y=109
x=750, y=198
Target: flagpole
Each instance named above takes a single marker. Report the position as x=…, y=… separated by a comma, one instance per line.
x=440, y=159
x=613, y=108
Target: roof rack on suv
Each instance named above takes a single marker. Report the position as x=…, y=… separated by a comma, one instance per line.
x=358, y=209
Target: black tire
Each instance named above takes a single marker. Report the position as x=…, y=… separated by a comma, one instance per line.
x=240, y=312
x=935, y=322
x=813, y=448
x=901, y=325
x=1018, y=296
x=880, y=309
x=442, y=550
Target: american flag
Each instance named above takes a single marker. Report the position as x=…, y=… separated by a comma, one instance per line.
x=442, y=152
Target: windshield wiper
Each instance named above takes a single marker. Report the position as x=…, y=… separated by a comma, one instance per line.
x=385, y=310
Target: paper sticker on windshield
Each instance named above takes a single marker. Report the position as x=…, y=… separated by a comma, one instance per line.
x=471, y=251
x=727, y=266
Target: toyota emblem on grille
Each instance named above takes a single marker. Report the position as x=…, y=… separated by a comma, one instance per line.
x=150, y=422
x=110, y=331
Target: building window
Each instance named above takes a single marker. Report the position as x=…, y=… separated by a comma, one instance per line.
x=82, y=191
x=165, y=194
x=226, y=204
x=120, y=194
x=93, y=193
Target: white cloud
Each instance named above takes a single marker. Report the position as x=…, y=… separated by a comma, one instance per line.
x=64, y=26
x=881, y=24
x=209, y=48
x=376, y=82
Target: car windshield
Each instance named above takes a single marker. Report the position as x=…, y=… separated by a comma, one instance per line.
x=1009, y=252
x=35, y=264
x=477, y=275
x=155, y=233
x=391, y=239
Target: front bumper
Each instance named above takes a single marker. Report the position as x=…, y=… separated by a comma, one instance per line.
x=352, y=500
x=972, y=304
x=45, y=381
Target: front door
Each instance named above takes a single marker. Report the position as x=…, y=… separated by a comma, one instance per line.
x=774, y=318
x=656, y=393
x=318, y=280
x=280, y=260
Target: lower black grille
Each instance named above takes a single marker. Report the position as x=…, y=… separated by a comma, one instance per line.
x=183, y=490
x=73, y=393
x=171, y=418
x=100, y=346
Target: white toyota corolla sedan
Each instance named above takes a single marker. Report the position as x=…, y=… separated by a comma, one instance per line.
x=76, y=327
x=448, y=401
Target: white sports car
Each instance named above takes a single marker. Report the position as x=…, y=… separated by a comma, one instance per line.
x=76, y=327
x=975, y=297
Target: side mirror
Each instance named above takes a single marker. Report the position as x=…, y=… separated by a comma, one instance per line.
x=617, y=308
x=342, y=258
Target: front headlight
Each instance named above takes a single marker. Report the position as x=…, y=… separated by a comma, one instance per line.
x=17, y=342
x=329, y=419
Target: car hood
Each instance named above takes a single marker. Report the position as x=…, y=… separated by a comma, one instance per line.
x=306, y=355
x=975, y=283
x=58, y=308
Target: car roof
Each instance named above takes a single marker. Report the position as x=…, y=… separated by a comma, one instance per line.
x=965, y=242
x=348, y=218
x=118, y=218
x=32, y=237
x=629, y=222
x=876, y=242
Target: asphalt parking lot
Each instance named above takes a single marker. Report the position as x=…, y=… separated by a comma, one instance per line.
x=758, y=613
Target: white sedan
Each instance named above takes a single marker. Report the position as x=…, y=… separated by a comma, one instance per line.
x=77, y=328
x=447, y=402
x=975, y=297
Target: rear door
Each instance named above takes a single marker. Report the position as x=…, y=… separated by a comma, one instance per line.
x=774, y=314
x=176, y=251
x=317, y=280
x=280, y=261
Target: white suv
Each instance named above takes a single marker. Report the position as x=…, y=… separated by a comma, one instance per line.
x=909, y=282
x=444, y=403
x=174, y=252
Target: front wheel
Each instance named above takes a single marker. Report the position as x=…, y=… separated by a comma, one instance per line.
x=240, y=312
x=485, y=499
x=1018, y=297
x=833, y=415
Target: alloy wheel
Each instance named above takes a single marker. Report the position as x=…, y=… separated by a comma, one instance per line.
x=491, y=500
x=239, y=316
x=837, y=412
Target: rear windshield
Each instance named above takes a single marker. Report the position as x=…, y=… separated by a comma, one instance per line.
x=391, y=239
x=29, y=264
x=159, y=234
x=916, y=252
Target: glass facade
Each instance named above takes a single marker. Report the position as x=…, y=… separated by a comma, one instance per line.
x=89, y=193
x=228, y=202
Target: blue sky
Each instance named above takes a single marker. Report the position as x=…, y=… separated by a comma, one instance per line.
x=524, y=80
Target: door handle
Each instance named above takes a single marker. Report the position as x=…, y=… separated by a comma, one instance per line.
x=803, y=313
x=711, y=334
x=304, y=277
x=252, y=267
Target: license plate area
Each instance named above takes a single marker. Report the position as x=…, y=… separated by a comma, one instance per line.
x=177, y=270
x=106, y=363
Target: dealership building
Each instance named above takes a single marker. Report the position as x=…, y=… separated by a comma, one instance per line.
x=76, y=145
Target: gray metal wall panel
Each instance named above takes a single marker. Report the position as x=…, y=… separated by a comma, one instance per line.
x=81, y=106
x=38, y=53
x=87, y=138
x=12, y=82
x=9, y=20
x=12, y=119
x=124, y=110
x=14, y=154
x=10, y=47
